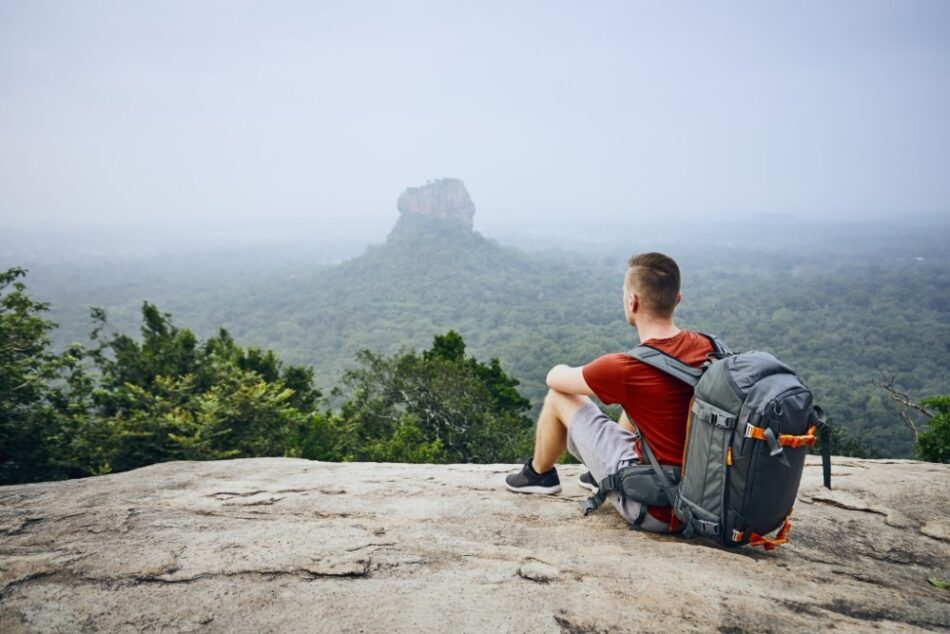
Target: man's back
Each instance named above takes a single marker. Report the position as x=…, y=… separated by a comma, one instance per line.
x=657, y=402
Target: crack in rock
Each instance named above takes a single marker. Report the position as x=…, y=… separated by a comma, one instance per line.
x=18, y=525
x=298, y=573
x=261, y=502
x=224, y=495
x=17, y=570
x=398, y=563
x=844, y=500
x=330, y=567
x=14, y=580
x=339, y=567
x=232, y=516
x=863, y=612
x=857, y=576
x=371, y=544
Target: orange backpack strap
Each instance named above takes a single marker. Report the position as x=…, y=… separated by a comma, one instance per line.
x=780, y=538
x=786, y=440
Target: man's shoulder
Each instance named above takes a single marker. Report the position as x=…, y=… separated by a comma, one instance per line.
x=612, y=359
x=688, y=346
x=684, y=338
x=609, y=368
x=698, y=339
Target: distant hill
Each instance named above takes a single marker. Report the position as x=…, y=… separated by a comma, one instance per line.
x=434, y=273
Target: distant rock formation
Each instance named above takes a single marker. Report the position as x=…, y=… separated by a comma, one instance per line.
x=287, y=545
x=444, y=198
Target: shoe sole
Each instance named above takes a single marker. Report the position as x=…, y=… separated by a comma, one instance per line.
x=589, y=487
x=535, y=489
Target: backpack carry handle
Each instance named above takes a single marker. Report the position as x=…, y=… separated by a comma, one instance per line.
x=720, y=349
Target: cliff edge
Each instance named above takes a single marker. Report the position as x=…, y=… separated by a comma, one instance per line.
x=273, y=544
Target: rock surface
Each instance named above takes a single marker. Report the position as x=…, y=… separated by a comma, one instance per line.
x=284, y=545
x=445, y=199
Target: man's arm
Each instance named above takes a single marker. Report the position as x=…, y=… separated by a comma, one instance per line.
x=564, y=378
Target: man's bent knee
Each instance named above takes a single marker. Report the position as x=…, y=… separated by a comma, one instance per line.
x=565, y=405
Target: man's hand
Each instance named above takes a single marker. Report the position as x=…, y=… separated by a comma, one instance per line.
x=564, y=378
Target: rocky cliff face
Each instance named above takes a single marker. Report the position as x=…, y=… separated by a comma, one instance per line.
x=444, y=199
x=286, y=545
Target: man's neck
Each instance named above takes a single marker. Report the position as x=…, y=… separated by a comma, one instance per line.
x=656, y=329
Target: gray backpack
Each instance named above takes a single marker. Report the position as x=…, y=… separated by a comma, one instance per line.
x=751, y=421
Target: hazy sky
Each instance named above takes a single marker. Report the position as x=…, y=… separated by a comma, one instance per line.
x=314, y=116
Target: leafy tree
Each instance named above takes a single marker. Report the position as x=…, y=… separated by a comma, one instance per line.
x=172, y=397
x=322, y=438
x=30, y=402
x=933, y=444
x=440, y=406
x=129, y=402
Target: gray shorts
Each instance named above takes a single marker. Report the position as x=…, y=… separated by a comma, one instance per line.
x=604, y=447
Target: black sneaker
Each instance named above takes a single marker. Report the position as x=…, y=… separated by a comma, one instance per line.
x=587, y=481
x=527, y=481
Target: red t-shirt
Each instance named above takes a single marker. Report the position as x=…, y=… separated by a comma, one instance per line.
x=657, y=403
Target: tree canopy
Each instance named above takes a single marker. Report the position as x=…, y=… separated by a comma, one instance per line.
x=34, y=402
x=438, y=406
x=128, y=402
x=933, y=444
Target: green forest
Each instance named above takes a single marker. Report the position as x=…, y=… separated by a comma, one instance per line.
x=127, y=402
x=847, y=310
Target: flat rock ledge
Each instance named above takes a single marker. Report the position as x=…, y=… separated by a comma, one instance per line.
x=285, y=545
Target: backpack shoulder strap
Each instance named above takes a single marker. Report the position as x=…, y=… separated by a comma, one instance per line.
x=612, y=482
x=666, y=363
x=674, y=367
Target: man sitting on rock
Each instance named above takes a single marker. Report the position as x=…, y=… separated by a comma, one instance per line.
x=658, y=403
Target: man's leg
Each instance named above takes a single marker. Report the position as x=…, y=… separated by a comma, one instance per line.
x=551, y=435
x=625, y=423
x=539, y=474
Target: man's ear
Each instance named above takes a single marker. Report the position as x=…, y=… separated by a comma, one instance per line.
x=679, y=298
x=634, y=302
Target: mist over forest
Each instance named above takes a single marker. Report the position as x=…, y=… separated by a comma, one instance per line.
x=847, y=304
